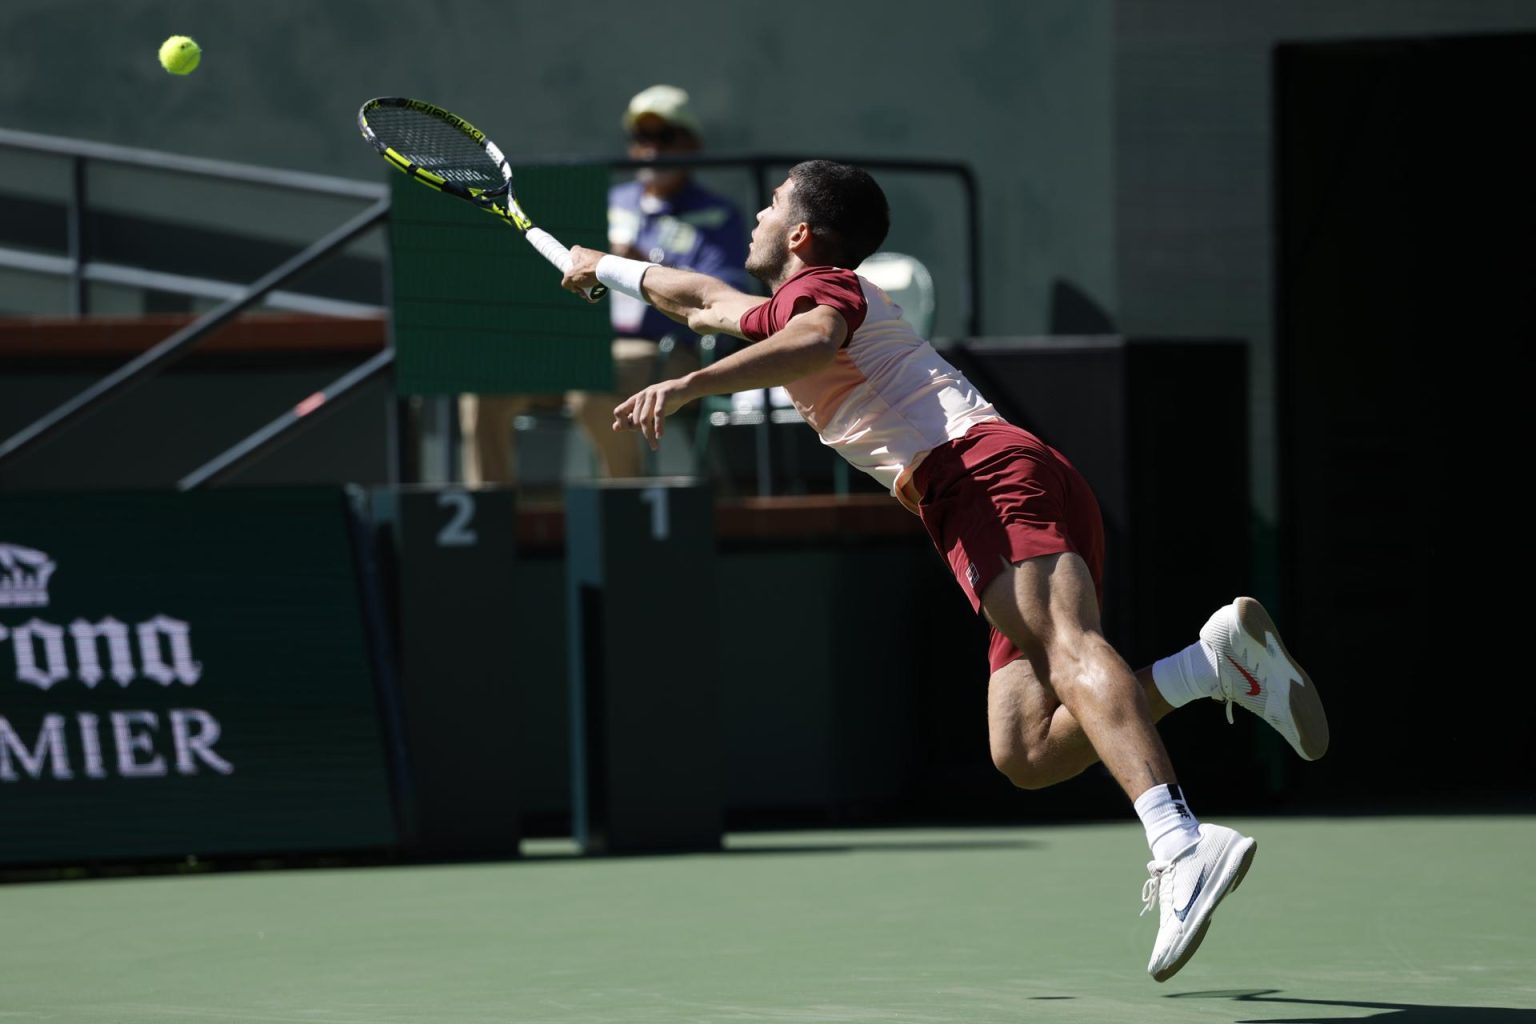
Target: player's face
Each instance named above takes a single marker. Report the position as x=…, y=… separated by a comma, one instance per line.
x=769, y=252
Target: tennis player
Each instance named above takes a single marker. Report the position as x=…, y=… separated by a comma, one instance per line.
x=1020, y=527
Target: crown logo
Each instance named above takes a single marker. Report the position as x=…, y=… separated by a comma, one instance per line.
x=24, y=577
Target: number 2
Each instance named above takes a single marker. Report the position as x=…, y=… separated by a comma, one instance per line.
x=457, y=532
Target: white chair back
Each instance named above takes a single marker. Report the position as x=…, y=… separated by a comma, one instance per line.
x=908, y=283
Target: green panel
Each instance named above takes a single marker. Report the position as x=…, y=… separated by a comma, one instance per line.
x=456, y=605
x=477, y=309
x=230, y=707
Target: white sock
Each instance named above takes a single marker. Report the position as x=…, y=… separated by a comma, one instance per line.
x=1188, y=675
x=1171, y=825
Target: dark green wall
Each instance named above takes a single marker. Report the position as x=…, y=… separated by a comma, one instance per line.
x=1193, y=143
x=1020, y=90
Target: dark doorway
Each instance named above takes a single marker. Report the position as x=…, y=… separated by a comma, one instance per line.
x=1406, y=301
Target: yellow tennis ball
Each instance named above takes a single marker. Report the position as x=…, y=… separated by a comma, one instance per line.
x=180, y=55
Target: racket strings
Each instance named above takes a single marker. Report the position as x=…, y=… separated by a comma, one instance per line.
x=436, y=146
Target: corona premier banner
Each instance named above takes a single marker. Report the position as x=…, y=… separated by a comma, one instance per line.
x=185, y=674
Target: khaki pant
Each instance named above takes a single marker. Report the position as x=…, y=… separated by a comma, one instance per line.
x=485, y=421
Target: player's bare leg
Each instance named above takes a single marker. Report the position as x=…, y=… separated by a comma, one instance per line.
x=1239, y=660
x=1048, y=607
x=1036, y=741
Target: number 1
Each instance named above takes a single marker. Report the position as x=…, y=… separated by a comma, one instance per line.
x=656, y=497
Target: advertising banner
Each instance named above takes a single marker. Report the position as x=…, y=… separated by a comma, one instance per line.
x=186, y=675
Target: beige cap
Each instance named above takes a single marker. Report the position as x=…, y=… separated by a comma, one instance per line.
x=667, y=102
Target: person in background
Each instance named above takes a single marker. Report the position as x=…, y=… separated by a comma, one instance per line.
x=661, y=216
x=664, y=217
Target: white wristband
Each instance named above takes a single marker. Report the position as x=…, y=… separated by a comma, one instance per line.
x=623, y=275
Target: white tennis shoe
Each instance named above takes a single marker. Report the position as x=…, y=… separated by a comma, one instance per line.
x=1187, y=889
x=1257, y=672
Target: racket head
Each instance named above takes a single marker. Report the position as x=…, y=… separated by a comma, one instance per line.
x=443, y=151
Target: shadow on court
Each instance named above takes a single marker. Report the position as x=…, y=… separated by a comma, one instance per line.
x=895, y=846
x=810, y=847
x=1395, y=1013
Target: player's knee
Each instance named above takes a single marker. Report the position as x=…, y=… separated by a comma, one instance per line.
x=1080, y=681
x=1022, y=767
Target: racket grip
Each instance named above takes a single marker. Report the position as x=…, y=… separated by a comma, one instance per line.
x=551, y=249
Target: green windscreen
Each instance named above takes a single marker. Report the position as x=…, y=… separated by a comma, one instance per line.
x=477, y=309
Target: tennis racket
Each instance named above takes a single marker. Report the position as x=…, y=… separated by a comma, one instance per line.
x=447, y=153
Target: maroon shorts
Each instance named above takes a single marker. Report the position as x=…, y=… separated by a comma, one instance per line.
x=1000, y=495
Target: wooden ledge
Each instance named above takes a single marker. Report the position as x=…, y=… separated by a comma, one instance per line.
x=857, y=517
x=49, y=339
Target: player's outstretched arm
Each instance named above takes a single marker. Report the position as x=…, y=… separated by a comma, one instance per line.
x=706, y=304
x=806, y=344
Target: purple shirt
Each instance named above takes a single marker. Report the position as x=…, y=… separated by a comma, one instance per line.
x=696, y=229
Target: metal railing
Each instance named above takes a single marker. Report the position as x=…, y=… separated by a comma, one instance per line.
x=138, y=371
x=78, y=266
x=80, y=270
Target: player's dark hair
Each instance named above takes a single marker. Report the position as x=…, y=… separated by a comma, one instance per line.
x=845, y=208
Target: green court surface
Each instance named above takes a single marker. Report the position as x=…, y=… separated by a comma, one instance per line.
x=1405, y=920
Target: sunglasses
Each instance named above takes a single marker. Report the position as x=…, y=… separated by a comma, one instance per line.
x=666, y=135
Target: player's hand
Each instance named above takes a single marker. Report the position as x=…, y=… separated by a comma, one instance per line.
x=583, y=273
x=646, y=411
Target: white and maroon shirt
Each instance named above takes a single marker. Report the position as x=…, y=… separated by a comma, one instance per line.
x=888, y=397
